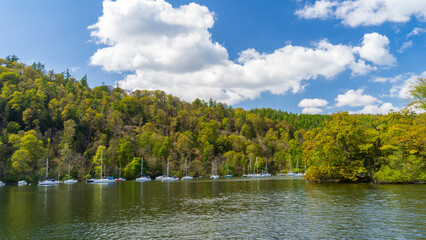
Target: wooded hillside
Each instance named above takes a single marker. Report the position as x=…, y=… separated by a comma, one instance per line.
x=53, y=115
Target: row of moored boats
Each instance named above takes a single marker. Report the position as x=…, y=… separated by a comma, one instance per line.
x=145, y=178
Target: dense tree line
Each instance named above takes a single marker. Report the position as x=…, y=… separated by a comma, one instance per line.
x=385, y=149
x=52, y=115
x=44, y=114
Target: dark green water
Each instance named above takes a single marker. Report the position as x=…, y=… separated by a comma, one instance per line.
x=274, y=208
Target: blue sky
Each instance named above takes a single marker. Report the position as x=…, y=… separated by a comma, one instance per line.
x=299, y=56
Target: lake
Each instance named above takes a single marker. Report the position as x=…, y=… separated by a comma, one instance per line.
x=238, y=208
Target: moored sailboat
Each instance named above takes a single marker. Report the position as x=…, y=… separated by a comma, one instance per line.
x=214, y=176
x=143, y=178
x=120, y=179
x=227, y=172
x=186, y=177
x=290, y=173
x=2, y=184
x=47, y=182
x=168, y=178
x=104, y=180
x=70, y=181
x=297, y=165
x=250, y=174
x=22, y=183
x=266, y=174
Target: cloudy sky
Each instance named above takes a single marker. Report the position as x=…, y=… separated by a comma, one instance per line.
x=318, y=56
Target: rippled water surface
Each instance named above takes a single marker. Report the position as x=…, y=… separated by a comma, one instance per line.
x=274, y=208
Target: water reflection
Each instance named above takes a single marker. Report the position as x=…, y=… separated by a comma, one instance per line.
x=219, y=209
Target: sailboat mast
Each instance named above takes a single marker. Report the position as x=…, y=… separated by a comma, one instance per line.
x=266, y=166
x=102, y=151
x=186, y=169
x=142, y=168
x=47, y=167
x=297, y=164
x=167, y=167
x=289, y=164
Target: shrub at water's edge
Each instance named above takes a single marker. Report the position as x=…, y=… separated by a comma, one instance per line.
x=383, y=149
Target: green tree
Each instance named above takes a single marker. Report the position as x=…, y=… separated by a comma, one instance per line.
x=338, y=150
x=418, y=91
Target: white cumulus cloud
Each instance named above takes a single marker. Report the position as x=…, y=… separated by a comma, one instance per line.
x=404, y=83
x=313, y=102
x=374, y=49
x=320, y=9
x=313, y=105
x=376, y=109
x=169, y=48
x=311, y=110
x=365, y=12
x=355, y=98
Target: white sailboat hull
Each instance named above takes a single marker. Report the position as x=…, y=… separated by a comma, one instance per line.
x=169, y=179
x=214, y=176
x=2, y=184
x=104, y=181
x=143, y=179
x=70, y=181
x=48, y=183
x=187, y=178
x=22, y=183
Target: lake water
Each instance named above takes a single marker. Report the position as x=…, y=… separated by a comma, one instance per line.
x=273, y=208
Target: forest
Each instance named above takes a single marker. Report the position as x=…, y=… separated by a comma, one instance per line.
x=48, y=115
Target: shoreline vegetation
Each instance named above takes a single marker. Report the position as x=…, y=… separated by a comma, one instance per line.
x=44, y=114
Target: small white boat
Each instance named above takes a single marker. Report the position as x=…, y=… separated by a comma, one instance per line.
x=47, y=182
x=227, y=172
x=214, y=176
x=159, y=178
x=281, y=174
x=22, y=183
x=298, y=175
x=2, y=184
x=266, y=174
x=187, y=177
x=70, y=181
x=104, y=180
x=290, y=173
x=168, y=178
x=143, y=178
